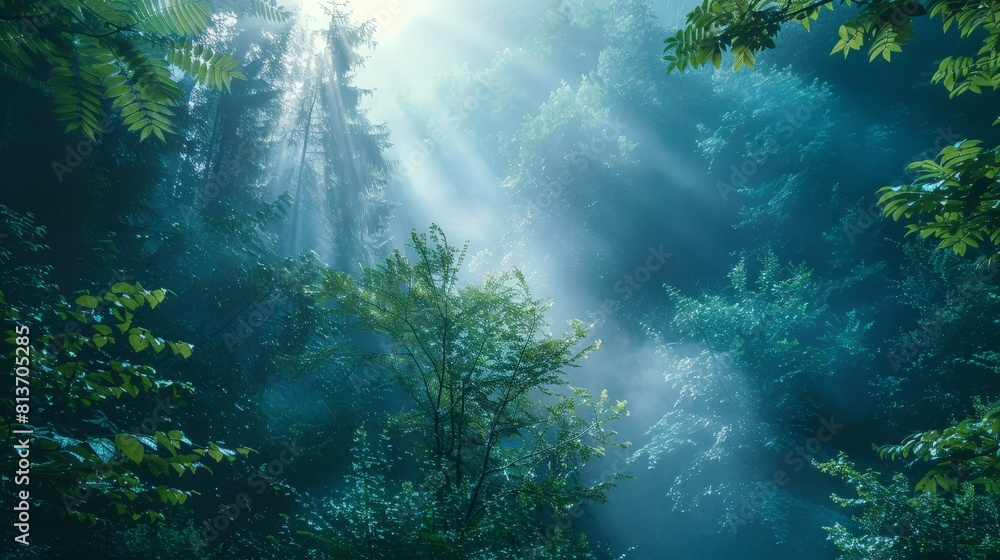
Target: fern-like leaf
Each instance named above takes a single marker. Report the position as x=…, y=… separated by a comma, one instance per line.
x=208, y=67
x=76, y=91
x=269, y=10
x=173, y=17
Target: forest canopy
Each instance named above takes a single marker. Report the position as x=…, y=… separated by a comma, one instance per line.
x=408, y=280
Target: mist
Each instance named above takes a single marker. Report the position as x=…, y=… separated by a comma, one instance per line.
x=440, y=279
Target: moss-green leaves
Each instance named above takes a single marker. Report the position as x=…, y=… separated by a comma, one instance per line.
x=893, y=523
x=182, y=349
x=87, y=301
x=960, y=74
x=957, y=198
x=746, y=28
x=887, y=41
x=117, y=307
x=694, y=47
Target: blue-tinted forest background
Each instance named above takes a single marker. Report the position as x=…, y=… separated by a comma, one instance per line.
x=442, y=279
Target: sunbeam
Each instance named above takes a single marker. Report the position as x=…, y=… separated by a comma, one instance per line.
x=500, y=279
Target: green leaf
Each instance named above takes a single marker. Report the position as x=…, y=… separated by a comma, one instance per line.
x=130, y=447
x=181, y=348
x=87, y=301
x=123, y=288
x=138, y=342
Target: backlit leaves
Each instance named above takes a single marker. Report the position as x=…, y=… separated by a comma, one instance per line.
x=957, y=198
x=741, y=27
x=269, y=10
x=960, y=74
x=208, y=67
x=170, y=17
x=746, y=28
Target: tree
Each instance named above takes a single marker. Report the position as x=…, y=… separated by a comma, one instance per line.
x=967, y=453
x=88, y=52
x=333, y=163
x=954, y=197
x=897, y=524
x=488, y=419
x=774, y=139
x=767, y=341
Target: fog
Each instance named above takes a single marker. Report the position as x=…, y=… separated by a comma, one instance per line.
x=765, y=324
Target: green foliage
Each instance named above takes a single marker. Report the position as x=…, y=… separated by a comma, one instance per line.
x=771, y=160
x=761, y=326
x=342, y=189
x=491, y=418
x=92, y=54
x=371, y=520
x=968, y=452
x=956, y=196
x=764, y=342
x=740, y=26
x=885, y=27
x=92, y=468
x=551, y=143
x=746, y=28
x=964, y=73
x=168, y=540
x=940, y=355
x=897, y=524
